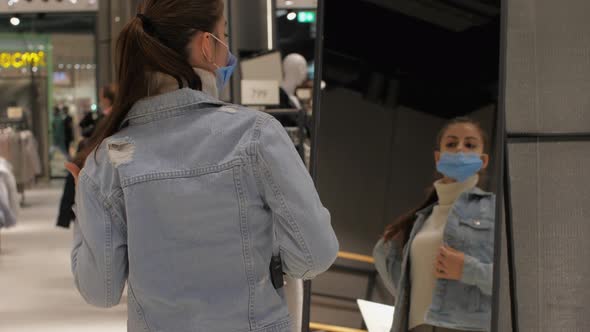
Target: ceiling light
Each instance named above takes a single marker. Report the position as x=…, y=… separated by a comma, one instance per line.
x=77, y=66
x=15, y=21
x=61, y=66
x=74, y=1
x=35, y=69
x=289, y=3
x=291, y=16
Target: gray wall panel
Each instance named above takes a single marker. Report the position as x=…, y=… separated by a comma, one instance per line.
x=564, y=232
x=352, y=173
x=548, y=65
x=550, y=200
x=505, y=316
x=524, y=179
x=547, y=79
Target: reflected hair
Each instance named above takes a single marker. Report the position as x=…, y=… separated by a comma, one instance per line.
x=399, y=230
x=156, y=40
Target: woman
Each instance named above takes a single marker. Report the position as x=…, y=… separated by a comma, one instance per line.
x=190, y=199
x=437, y=259
x=91, y=120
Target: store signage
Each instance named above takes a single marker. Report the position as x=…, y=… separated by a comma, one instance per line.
x=306, y=17
x=260, y=92
x=22, y=59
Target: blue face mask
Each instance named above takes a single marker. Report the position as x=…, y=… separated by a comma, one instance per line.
x=223, y=74
x=459, y=166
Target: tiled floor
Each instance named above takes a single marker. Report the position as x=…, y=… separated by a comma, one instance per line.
x=37, y=291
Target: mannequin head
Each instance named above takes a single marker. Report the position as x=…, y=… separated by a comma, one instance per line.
x=295, y=72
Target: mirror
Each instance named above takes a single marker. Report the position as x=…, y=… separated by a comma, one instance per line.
x=409, y=106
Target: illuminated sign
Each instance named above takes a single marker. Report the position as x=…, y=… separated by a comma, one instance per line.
x=24, y=59
x=306, y=17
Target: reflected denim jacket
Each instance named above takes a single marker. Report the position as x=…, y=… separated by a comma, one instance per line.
x=464, y=304
x=188, y=203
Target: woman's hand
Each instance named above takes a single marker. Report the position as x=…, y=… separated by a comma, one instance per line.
x=74, y=170
x=449, y=264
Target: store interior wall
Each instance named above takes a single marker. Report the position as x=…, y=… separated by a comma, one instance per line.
x=548, y=78
x=248, y=27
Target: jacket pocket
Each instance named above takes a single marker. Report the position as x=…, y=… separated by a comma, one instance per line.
x=482, y=224
x=478, y=238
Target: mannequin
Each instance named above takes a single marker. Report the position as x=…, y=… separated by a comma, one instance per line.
x=295, y=73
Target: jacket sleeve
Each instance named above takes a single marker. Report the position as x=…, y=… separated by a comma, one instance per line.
x=478, y=274
x=99, y=256
x=388, y=262
x=307, y=242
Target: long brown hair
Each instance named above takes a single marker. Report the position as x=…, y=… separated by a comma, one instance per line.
x=157, y=40
x=400, y=229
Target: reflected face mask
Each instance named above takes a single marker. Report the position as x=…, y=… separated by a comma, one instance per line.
x=459, y=166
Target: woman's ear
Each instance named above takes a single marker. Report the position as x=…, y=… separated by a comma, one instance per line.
x=200, y=50
x=436, y=156
x=486, y=160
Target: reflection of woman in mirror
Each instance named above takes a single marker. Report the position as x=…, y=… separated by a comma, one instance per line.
x=437, y=259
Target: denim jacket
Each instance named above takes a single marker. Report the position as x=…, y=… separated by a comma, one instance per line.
x=464, y=304
x=188, y=203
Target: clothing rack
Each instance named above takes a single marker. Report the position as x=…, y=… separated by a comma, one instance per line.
x=19, y=126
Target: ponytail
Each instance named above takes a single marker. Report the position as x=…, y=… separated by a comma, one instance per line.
x=156, y=40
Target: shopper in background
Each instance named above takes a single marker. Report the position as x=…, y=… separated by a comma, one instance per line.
x=59, y=132
x=68, y=123
x=438, y=264
x=188, y=198
x=91, y=120
x=88, y=126
x=107, y=98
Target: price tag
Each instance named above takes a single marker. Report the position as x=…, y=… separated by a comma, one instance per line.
x=260, y=92
x=14, y=113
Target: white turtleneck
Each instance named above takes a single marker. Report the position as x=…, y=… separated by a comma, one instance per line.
x=162, y=83
x=424, y=248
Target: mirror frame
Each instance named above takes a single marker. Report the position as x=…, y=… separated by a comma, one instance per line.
x=500, y=166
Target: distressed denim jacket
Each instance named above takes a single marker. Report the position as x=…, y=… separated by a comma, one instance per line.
x=188, y=203
x=464, y=304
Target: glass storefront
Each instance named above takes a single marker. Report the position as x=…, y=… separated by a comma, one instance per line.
x=25, y=66
x=51, y=77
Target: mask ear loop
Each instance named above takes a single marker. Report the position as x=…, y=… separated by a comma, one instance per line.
x=210, y=61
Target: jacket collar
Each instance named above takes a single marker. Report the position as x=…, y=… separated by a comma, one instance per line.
x=165, y=105
x=474, y=192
